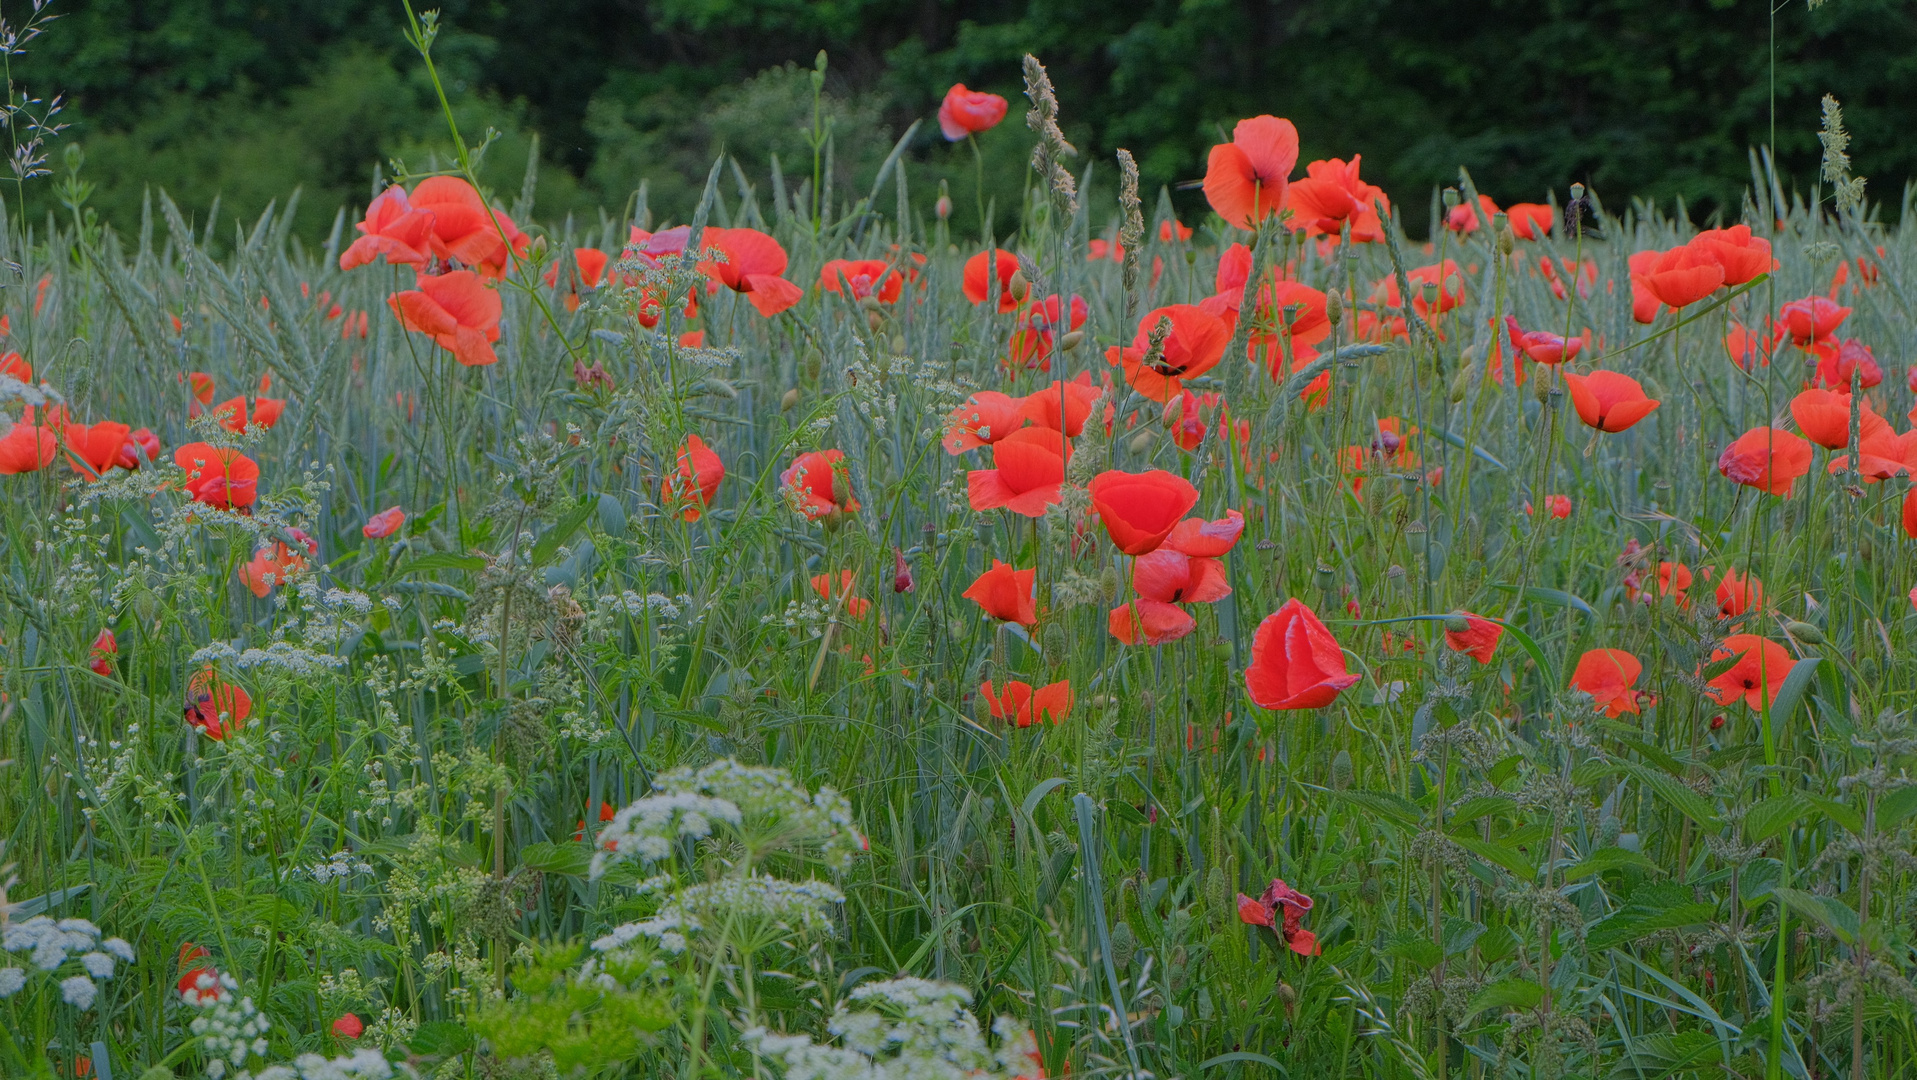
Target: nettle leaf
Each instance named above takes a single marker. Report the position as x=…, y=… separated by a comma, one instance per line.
x=1843, y=814
x=1896, y=806
x=1651, y=907
x=1826, y=911
x=442, y=560
x=1773, y=815
x=548, y=858
x=1607, y=859
x=1673, y=791
x=1521, y=865
x=561, y=532
x=1481, y=806
x=1506, y=994
x=1395, y=809
x=1416, y=948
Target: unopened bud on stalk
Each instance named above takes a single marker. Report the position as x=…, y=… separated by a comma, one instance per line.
x=1056, y=643
x=1804, y=632
x=1461, y=382
x=1341, y=771
x=1070, y=341
x=874, y=320
x=790, y=399
x=1335, y=307
x=869, y=302
x=1019, y=285
x=1141, y=442
x=898, y=344
x=1456, y=623
x=943, y=208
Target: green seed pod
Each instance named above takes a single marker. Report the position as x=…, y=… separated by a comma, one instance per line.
x=1221, y=649
x=1327, y=577
x=1805, y=632
x=1451, y=197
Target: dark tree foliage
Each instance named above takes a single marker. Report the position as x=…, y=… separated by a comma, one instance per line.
x=1654, y=99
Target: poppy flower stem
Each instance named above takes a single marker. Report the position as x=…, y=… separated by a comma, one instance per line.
x=978, y=191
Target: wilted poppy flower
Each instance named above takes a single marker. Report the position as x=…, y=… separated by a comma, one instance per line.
x=587, y=271
x=1742, y=255
x=1295, y=662
x=753, y=265
x=985, y=418
x=1245, y=178
x=457, y=310
x=1738, y=594
x=218, y=476
x=976, y=282
x=830, y=586
x=1022, y=705
x=815, y=488
x=1644, y=303
x=1478, y=637
x=1150, y=622
x=1005, y=593
x=1824, y=418
x=277, y=564
x=214, y=705
x=968, y=112
x=1609, y=675
x=465, y=230
x=1838, y=361
x=901, y=573
x=867, y=277
x=393, y=228
x=1330, y=196
x=1811, y=320
x=1607, y=400
x=192, y=971
x=1530, y=221
x=348, y=1026
x=1758, y=675
x=1767, y=459
x=1282, y=908
x=1141, y=509
x=26, y=447
x=1194, y=345
x=691, y=486
x=1542, y=346
x=383, y=524
x=1030, y=469
x=98, y=655
x=1684, y=275
x=1072, y=400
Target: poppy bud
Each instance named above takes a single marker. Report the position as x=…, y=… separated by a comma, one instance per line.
x=1108, y=582
x=1019, y=285
x=790, y=399
x=1461, y=382
x=1457, y=624
x=1804, y=632
x=898, y=344
x=1142, y=442
x=1056, y=644
x=869, y=302
x=1717, y=722
x=874, y=320
x=1335, y=307
x=1070, y=341
x=943, y=208
x=901, y=573
x=1341, y=771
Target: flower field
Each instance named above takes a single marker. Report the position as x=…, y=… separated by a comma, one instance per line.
x=808, y=642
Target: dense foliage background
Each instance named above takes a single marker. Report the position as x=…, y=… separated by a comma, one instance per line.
x=1656, y=99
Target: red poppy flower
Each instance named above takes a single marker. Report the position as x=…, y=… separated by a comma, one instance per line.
x=1542, y=346
x=1295, y=662
x=968, y=112
x=1768, y=459
x=278, y=564
x=1288, y=321
x=92, y=449
x=815, y=488
x=1684, y=275
x=1644, y=303
x=830, y=586
x=383, y=524
x=214, y=705
x=1530, y=221
x=1738, y=594
x=976, y=281
x=1463, y=218
x=1910, y=515
x=1839, y=360
x=1331, y=195
x=1185, y=417
x=588, y=271
x=753, y=265
x=1748, y=347
x=1812, y=319
x=1742, y=255
x=1031, y=344
x=1150, y=622
x=348, y=1026
x=1203, y=539
x=15, y=366
x=220, y=477
x=1005, y=593
x=1074, y=398
x=457, y=310
x=192, y=971
x=1673, y=580
x=1824, y=418
x=1585, y=275
x=465, y=230
x=1478, y=639
x=1194, y=346
x=1141, y=509
x=1100, y=250
x=1022, y=705
x=393, y=228
x=104, y=646
x=1758, y=675
x=1286, y=907
x=1608, y=675
x=1441, y=282
x=1245, y=178
x=986, y=417
x=1558, y=506
x=26, y=447
x=1608, y=401
x=690, y=488
x=1173, y=577
x=1030, y=469
x=867, y=277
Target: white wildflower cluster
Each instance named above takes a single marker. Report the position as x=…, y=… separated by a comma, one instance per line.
x=338, y=867
x=218, y=652
x=636, y=606
x=776, y=811
x=668, y=931
x=289, y=658
x=49, y=943
x=648, y=828
x=807, y=616
x=910, y=1029
x=230, y=1028
x=757, y=906
x=363, y=1064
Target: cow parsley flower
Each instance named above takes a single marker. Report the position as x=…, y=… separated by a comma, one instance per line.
x=909, y=1029
x=79, y=991
x=11, y=981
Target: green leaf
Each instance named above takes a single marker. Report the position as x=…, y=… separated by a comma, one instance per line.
x=1481, y=806
x=1517, y=862
x=38, y=905
x=569, y=859
x=1842, y=813
x=1651, y=907
x=1415, y=947
x=442, y=560
x=1671, y=790
x=1506, y=994
x=1462, y=443
x=1826, y=911
x=1605, y=860
x=1796, y=685
x=1773, y=815
x=1038, y=793
x=1554, y=597
x=440, y=1038
x=562, y=532
x=1240, y=1055
x=1896, y=806
x=1395, y=809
